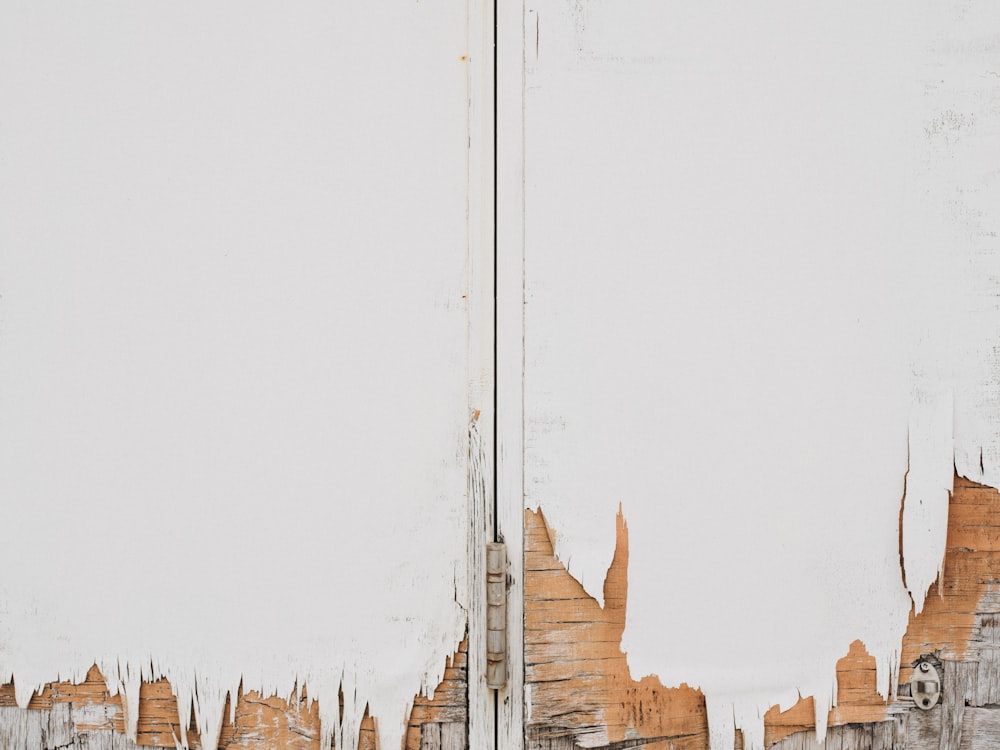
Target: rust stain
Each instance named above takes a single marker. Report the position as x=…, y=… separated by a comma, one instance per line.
x=159, y=720
x=272, y=722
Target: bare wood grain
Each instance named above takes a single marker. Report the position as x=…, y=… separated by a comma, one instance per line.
x=581, y=691
x=448, y=704
x=879, y=735
x=981, y=729
x=580, y=687
x=430, y=737
x=454, y=735
x=958, y=688
x=87, y=713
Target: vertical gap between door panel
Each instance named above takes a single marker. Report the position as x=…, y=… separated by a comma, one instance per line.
x=496, y=435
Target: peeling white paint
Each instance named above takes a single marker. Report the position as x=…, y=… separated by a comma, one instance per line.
x=233, y=350
x=761, y=261
x=929, y=484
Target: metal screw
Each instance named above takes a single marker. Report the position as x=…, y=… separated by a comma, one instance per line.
x=925, y=667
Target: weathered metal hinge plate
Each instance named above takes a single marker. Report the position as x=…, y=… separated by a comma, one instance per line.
x=496, y=615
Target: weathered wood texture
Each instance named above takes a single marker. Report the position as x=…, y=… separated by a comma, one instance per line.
x=879, y=735
x=948, y=624
x=87, y=717
x=451, y=735
x=579, y=680
x=449, y=705
x=980, y=730
x=858, y=700
x=580, y=687
x=960, y=624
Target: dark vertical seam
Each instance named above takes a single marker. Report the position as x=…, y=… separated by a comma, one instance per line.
x=496, y=301
x=496, y=308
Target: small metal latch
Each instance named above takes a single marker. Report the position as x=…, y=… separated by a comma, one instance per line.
x=496, y=615
x=925, y=685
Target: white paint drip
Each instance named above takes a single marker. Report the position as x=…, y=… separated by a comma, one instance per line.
x=761, y=249
x=721, y=722
x=929, y=484
x=233, y=370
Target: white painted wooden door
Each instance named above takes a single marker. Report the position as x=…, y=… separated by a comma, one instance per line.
x=750, y=301
x=245, y=316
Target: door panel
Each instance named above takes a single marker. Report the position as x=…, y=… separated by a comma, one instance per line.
x=242, y=340
x=757, y=252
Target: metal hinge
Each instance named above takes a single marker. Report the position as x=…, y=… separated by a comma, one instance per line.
x=496, y=615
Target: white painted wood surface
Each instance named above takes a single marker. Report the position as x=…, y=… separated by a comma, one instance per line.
x=760, y=260
x=510, y=351
x=244, y=283
x=482, y=517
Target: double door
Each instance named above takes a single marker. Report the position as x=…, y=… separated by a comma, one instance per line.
x=689, y=307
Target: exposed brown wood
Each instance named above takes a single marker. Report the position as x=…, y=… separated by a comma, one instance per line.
x=581, y=692
x=858, y=700
x=88, y=713
x=971, y=569
x=959, y=624
x=580, y=686
x=158, y=721
x=579, y=680
x=368, y=733
x=450, y=701
x=780, y=724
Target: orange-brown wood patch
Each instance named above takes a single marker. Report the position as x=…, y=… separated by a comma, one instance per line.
x=944, y=627
x=971, y=567
x=578, y=677
x=90, y=699
x=261, y=722
x=577, y=674
x=858, y=700
x=450, y=702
